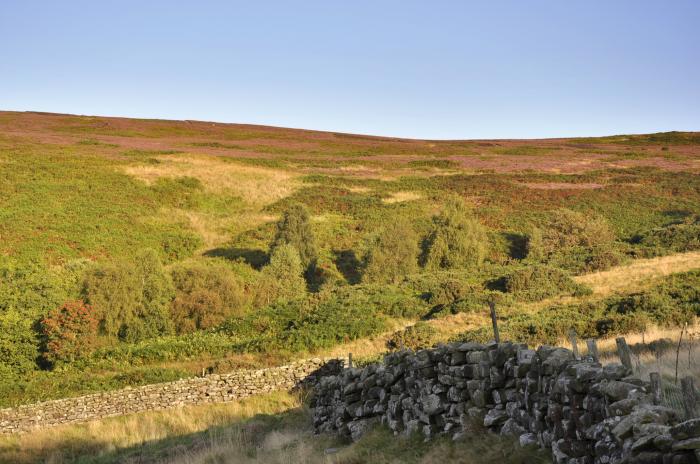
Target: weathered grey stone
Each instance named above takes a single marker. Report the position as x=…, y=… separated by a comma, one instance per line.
x=432, y=405
x=687, y=429
x=495, y=417
x=512, y=428
x=687, y=444
x=360, y=427
x=528, y=440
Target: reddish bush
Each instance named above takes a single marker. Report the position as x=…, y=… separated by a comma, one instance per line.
x=70, y=332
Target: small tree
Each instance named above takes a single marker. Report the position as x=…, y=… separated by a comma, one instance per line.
x=457, y=239
x=152, y=316
x=70, y=332
x=392, y=253
x=282, y=279
x=295, y=229
x=131, y=299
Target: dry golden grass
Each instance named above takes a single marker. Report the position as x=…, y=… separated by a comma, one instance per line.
x=663, y=359
x=399, y=197
x=271, y=429
x=255, y=185
x=63, y=443
x=654, y=351
x=639, y=274
x=366, y=347
x=456, y=323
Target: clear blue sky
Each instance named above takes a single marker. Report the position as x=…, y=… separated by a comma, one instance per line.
x=425, y=69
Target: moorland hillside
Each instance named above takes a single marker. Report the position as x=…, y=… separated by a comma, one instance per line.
x=137, y=251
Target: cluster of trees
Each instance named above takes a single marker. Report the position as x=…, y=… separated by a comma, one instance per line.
x=50, y=318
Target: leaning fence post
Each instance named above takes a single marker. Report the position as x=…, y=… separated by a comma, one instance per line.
x=655, y=384
x=624, y=352
x=689, y=397
x=496, y=336
x=592, y=349
x=350, y=360
x=574, y=345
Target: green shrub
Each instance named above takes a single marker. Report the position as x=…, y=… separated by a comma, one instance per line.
x=295, y=229
x=673, y=238
x=456, y=240
x=131, y=299
x=179, y=192
x=282, y=278
x=535, y=283
x=574, y=241
x=29, y=288
x=392, y=253
x=179, y=243
x=19, y=345
x=415, y=337
x=205, y=296
x=449, y=291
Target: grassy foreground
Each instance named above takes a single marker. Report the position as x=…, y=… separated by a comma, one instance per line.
x=272, y=428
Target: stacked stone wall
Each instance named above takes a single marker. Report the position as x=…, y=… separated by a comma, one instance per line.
x=198, y=390
x=583, y=411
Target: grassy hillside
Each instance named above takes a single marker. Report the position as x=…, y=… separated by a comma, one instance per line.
x=135, y=251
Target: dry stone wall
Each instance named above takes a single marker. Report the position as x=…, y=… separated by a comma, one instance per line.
x=584, y=412
x=209, y=389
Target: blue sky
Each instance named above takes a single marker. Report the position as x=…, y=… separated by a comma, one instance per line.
x=424, y=69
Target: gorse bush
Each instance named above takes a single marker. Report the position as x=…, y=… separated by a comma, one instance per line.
x=573, y=241
x=392, y=253
x=179, y=243
x=205, y=296
x=295, y=229
x=69, y=332
x=457, y=238
x=535, y=283
x=675, y=237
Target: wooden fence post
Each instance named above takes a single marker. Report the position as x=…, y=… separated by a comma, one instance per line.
x=655, y=383
x=574, y=345
x=350, y=360
x=496, y=336
x=678, y=351
x=592, y=349
x=690, y=400
x=624, y=352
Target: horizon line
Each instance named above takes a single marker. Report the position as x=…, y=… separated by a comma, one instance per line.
x=340, y=132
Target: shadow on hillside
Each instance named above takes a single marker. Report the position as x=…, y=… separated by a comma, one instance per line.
x=349, y=265
x=254, y=257
x=517, y=245
x=678, y=215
